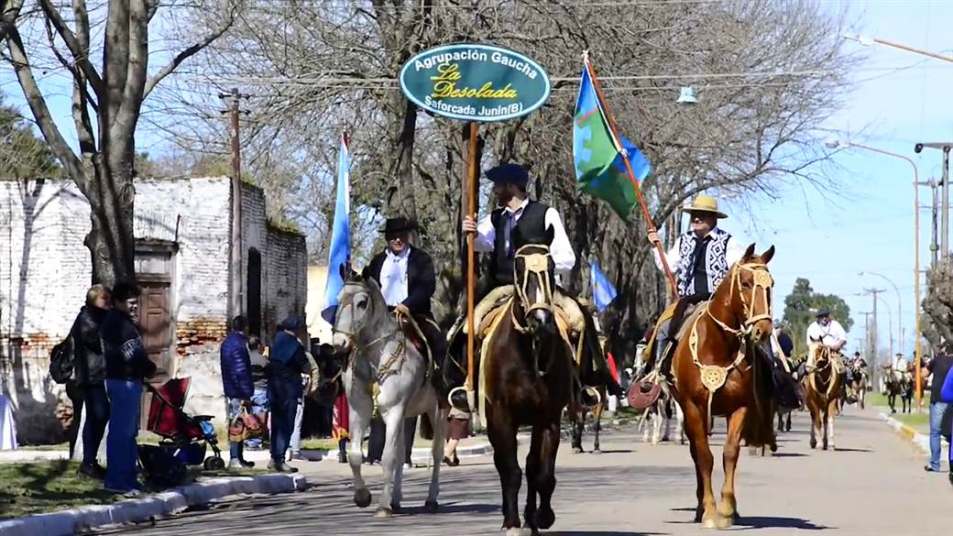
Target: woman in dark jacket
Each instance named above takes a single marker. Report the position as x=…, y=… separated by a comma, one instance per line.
x=286, y=364
x=127, y=365
x=90, y=375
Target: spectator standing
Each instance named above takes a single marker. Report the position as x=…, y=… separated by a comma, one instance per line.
x=259, y=377
x=237, y=383
x=127, y=365
x=287, y=363
x=939, y=368
x=90, y=376
x=458, y=427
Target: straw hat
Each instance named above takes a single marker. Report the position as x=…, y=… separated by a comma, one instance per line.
x=704, y=203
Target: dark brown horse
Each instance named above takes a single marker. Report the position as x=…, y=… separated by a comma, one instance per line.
x=718, y=371
x=528, y=376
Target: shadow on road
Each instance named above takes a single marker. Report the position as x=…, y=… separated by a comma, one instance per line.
x=838, y=449
x=789, y=455
x=765, y=522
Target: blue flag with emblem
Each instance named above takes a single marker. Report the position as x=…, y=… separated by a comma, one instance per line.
x=597, y=152
x=340, y=255
x=603, y=292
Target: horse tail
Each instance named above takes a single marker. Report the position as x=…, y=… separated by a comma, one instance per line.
x=426, y=426
x=758, y=428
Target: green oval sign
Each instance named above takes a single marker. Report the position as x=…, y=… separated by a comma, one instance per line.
x=474, y=82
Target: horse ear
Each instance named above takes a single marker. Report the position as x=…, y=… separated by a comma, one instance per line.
x=344, y=271
x=767, y=255
x=749, y=252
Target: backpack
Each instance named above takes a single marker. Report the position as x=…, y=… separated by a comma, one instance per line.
x=63, y=361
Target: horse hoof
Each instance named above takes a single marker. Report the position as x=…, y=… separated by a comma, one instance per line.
x=710, y=523
x=545, y=517
x=362, y=498
x=577, y=450
x=724, y=522
x=383, y=513
x=430, y=507
x=813, y=443
x=518, y=531
x=596, y=451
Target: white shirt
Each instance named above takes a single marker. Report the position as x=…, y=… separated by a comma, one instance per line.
x=830, y=335
x=735, y=250
x=561, y=250
x=394, y=277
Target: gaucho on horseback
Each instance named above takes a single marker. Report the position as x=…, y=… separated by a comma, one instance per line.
x=702, y=258
x=518, y=220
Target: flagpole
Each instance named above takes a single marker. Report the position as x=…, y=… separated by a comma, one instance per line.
x=673, y=286
x=471, y=256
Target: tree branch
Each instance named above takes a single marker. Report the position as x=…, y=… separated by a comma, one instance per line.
x=189, y=52
x=79, y=52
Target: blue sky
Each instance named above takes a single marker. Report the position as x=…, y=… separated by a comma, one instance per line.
x=869, y=225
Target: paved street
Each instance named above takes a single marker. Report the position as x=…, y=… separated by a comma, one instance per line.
x=873, y=484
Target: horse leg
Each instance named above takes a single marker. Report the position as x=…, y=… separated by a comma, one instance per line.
x=533, y=468
x=597, y=417
x=826, y=413
x=392, y=460
x=728, y=508
x=815, y=425
x=359, y=414
x=546, y=477
x=578, y=416
x=680, y=423
x=657, y=425
x=787, y=427
x=830, y=430
x=502, y=434
x=695, y=421
x=438, y=418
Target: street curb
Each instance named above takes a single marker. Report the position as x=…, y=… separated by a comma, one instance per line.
x=422, y=454
x=921, y=441
x=70, y=521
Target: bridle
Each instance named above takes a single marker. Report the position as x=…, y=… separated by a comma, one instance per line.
x=390, y=365
x=763, y=282
x=536, y=265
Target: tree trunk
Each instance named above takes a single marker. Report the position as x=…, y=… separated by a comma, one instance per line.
x=110, y=240
x=401, y=200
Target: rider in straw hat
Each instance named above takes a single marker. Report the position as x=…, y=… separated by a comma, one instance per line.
x=701, y=258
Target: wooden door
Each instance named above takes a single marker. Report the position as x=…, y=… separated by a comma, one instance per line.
x=155, y=321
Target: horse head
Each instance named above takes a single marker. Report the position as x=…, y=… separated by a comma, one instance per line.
x=360, y=308
x=535, y=281
x=750, y=293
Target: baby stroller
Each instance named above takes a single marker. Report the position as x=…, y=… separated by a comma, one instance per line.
x=185, y=436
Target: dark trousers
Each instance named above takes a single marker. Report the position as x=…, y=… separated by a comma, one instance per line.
x=375, y=444
x=284, y=405
x=96, y=407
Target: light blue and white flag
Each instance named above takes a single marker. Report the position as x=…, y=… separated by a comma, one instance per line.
x=340, y=235
x=602, y=290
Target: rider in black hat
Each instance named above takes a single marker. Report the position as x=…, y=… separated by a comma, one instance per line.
x=407, y=280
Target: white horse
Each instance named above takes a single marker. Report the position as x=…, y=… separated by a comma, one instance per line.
x=380, y=353
x=660, y=417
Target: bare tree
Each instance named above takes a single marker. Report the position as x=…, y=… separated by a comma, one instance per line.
x=107, y=99
x=937, y=319
x=767, y=74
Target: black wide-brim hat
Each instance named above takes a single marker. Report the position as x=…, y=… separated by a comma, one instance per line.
x=398, y=225
x=822, y=313
x=508, y=174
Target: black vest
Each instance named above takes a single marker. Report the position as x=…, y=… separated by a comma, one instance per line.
x=529, y=229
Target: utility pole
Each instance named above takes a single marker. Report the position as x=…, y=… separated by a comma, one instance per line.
x=944, y=192
x=236, y=273
x=868, y=354
x=934, y=246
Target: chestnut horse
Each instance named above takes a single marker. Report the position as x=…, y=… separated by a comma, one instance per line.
x=527, y=380
x=718, y=371
x=822, y=390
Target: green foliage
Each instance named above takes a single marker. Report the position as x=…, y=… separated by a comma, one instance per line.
x=23, y=156
x=802, y=304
